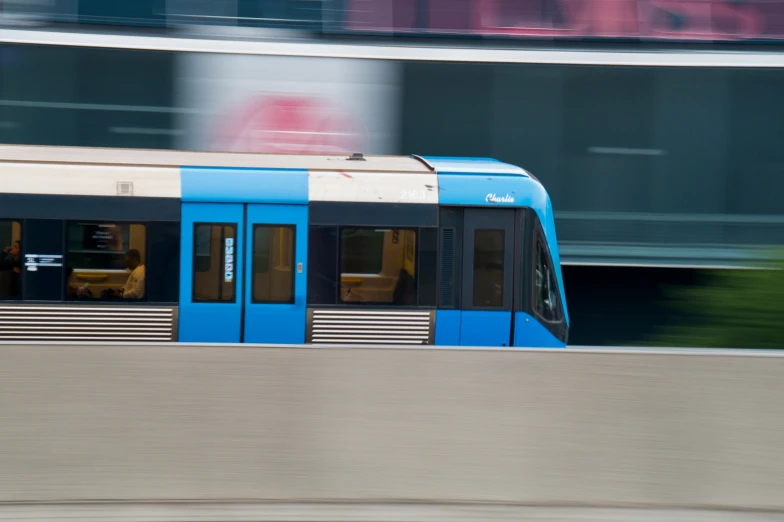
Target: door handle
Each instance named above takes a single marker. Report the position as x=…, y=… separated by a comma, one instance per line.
x=299, y=268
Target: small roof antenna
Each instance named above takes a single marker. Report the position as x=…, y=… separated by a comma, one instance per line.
x=357, y=156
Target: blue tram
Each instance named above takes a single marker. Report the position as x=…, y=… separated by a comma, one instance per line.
x=116, y=245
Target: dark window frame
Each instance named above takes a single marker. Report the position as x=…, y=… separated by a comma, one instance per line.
x=322, y=286
x=293, y=228
x=540, y=245
x=98, y=299
x=484, y=218
x=234, y=226
x=450, y=218
x=339, y=298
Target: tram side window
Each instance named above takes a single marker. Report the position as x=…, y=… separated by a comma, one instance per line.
x=378, y=266
x=488, y=268
x=214, y=255
x=546, y=302
x=273, y=263
x=10, y=259
x=106, y=261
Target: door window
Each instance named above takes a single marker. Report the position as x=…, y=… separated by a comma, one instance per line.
x=489, y=249
x=273, y=263
x=214, y=258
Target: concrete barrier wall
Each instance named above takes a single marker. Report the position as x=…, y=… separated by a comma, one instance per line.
x=180, y=422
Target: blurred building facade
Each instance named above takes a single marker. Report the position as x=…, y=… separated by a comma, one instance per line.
x=647, y=165
x=657, y=20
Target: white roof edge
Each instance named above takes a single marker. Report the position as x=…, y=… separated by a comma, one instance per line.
x=468, y=165
x=211, y=159
x=89, y=180
x=483, y=170
x=741, y=59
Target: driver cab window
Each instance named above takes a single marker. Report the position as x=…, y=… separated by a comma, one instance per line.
x=546, y=302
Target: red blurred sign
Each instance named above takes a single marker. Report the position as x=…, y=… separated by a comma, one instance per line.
x=289, y=124
x=642, y=19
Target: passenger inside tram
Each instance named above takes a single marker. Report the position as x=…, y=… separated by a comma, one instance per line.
x=10, y=259
x=134, y=286
x=106, y=261
x=10, y=270
x=76, y=288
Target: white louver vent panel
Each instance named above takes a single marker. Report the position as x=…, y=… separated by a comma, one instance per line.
x=87, y=323
x=331, y=326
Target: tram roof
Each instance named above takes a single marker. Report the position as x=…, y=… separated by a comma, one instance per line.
x=179, y=158
x=468, y=165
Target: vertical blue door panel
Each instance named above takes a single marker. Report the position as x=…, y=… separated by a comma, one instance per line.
x=209, y=322
x=447, y=328
x=485, y=328
x=272, y=323
x=529, y=333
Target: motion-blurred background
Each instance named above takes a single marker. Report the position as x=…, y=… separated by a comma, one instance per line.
x=667, y=179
